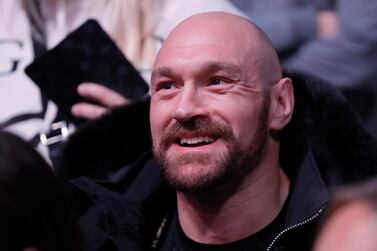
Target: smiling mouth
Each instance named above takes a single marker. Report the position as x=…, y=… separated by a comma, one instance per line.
x=195, y=141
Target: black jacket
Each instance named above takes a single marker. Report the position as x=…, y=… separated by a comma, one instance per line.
x=122, y=199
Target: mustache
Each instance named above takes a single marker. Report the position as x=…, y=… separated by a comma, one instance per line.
x=199, y=126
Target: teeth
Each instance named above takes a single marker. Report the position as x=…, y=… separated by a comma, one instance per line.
x=192, y=141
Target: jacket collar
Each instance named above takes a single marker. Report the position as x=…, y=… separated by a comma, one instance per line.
x=309, y=193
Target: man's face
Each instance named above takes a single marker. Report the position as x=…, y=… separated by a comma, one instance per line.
x=209, y=114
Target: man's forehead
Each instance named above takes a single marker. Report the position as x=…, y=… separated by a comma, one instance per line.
x=197, y=45
x=205, y=36
x=205, y=59
x=208, y=66
x=198, y=51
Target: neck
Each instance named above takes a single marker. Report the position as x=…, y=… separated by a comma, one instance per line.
x=219, y=216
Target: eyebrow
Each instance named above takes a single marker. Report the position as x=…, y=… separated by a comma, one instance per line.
x=211, y=66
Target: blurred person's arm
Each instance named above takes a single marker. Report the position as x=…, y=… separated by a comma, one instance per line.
x=103, y=95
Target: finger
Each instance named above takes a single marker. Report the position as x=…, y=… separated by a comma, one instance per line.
x=88, y=111
x=102, y=94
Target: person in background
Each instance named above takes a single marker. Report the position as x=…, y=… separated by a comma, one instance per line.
x=35, y=213
x=30, y=28
x=350, y=223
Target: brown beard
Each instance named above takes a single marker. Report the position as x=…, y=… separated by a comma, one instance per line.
x=222, y=167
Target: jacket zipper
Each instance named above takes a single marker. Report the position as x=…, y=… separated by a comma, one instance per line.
x=313, y=217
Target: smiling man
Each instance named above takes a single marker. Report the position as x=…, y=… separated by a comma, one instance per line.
x=243, y=171
x=217, y=93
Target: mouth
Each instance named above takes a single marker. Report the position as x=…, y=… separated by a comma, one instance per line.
x=195, y=141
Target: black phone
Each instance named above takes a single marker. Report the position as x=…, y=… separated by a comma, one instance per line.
x=87, y=54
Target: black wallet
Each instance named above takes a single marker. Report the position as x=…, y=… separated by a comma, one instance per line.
x=87, y=54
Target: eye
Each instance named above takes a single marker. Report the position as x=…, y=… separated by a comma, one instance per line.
x=165, y=86
x=218, y=81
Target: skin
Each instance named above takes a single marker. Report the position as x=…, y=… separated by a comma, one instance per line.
x=327, y=24
x=208, y=70
x=352, y=227
x=106, y=97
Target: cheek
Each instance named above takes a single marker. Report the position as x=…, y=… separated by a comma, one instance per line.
x=244, y=129
x=243, y=118
x=154, y=128
x=245, y=125
x=161, y=112
x=158, y=116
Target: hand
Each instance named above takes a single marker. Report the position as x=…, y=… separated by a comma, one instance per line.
x=327, y=24
x=102, y=95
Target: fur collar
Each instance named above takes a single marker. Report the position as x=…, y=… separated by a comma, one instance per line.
x=324, y=123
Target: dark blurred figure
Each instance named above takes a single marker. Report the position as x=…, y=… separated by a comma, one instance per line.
x=34, y=212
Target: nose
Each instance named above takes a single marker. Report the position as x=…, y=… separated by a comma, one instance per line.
x=190, y=104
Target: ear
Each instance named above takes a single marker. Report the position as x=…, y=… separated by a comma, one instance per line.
x=282, y=103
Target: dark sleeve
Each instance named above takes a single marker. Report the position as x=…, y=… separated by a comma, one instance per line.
x=125, y=211
x=100, y=147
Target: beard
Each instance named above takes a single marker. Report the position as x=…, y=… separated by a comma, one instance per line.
x=200, y=172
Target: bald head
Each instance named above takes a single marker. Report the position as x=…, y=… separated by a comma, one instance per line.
x=243, y=40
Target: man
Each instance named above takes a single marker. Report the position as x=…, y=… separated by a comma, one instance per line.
x=222, y=131
x=216, y=94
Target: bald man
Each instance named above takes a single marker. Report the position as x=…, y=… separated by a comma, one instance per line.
x=232, y=168
x=217, y=91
